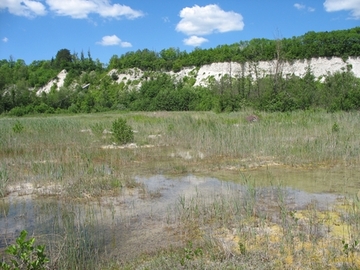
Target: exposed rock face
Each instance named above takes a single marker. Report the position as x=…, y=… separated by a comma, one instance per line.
x=58, y=81
x=319, y=67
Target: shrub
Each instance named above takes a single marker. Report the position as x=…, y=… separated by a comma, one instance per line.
x=122, y=132
x=18, y=127
x=17, y=111
x=43, y=108
x=114, y=76
x=25, y=255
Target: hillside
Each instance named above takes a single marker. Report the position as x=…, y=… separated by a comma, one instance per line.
x=320, y=67
x=313, y=71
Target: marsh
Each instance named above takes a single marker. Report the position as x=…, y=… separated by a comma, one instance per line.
x=193, y=190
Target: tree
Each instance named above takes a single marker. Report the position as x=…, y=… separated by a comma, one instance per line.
x=63, y=59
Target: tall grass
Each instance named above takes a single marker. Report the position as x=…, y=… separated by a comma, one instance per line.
x=68, y=149
x=76, y=236
x=232, y=233
x=70, y=144
x=68, y=152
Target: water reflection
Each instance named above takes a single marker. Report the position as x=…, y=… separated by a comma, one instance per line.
x=135, y=220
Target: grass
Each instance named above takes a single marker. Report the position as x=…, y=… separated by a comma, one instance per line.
x=232, y=230
x=228, y=232
x=212, y=140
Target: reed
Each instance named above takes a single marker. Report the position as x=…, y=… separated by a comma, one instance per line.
x=68, y=146
x=232, y=234
x=79, y=157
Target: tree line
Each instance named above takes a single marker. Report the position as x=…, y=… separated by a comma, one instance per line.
x=339, y=91
x=340, y=43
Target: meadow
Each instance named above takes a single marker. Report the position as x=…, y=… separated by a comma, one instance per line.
x=65, y=180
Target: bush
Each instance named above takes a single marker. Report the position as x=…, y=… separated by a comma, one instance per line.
x=114, y=76
x=24, y=255
x=18, y=127
x=122, y=132
x=43, y=108
x=18, y=111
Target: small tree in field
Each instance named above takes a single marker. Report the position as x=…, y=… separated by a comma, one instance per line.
x=122, y=132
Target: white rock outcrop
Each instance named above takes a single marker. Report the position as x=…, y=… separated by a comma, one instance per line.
x=58, y=81
x=319, y=67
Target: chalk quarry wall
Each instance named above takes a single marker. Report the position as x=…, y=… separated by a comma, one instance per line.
x=319, y=67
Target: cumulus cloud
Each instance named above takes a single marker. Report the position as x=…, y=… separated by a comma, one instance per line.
x=77, y=9
x=303, y=7
x=80, y=9
x=339, y=5
x=26, y=8
x=113, y=41
x=5, y=39
x=206, y=20
x=194, y=41
x=125, y=44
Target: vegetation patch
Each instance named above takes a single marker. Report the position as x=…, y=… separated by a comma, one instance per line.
x=122, y=132
x=241, y=228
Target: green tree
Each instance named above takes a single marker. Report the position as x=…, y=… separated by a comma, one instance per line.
x=63, y=59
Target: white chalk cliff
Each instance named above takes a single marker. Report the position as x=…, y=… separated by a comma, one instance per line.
x=319, y=67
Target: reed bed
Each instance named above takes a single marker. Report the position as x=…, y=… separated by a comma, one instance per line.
x=234, y=231
x=74, y=161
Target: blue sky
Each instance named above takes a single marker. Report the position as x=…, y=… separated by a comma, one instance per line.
x=38, y=29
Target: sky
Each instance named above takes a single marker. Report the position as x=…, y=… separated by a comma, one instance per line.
x=34, y=30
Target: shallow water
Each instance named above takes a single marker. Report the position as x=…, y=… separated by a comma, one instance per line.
x=191, y=185
x=135, y=220
x=337, y=179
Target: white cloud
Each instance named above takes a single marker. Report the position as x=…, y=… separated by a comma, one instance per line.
x=5, y=39
x=194, y=41
x=301, y=7
x=125, y=44
x=207, y=20
x=338, y=5
x=26, y=8
x=110, y=40
x=80, y=9
x=113, y=41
